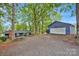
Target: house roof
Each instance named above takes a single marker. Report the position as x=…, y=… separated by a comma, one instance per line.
x=57, y=24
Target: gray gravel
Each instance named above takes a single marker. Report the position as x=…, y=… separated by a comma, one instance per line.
x=45, y=45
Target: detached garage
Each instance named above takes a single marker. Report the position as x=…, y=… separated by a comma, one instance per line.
x=61, y=28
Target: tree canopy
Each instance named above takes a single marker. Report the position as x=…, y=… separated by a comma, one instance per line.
x=33, y=17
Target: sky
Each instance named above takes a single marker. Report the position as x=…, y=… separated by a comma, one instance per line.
x=67, y=18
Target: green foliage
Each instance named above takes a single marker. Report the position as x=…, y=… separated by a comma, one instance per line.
x=3, y=39
x=35, y=17
x=21, y=27
x=1, y=28
x=1, y=13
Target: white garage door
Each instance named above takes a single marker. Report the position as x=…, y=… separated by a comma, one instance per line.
x=58, y=30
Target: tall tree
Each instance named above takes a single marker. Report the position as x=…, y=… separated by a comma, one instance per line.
x=1, y=21
x=13, y=21
x=77, y=18
x=34, y=17
x=10, y=8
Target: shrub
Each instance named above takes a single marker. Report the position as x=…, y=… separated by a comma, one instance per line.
x=3, y=39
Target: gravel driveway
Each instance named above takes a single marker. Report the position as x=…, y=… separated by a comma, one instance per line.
x=44, y=45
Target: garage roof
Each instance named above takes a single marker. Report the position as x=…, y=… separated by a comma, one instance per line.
x=58, y=24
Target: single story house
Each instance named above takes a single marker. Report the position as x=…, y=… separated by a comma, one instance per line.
x=61, y=28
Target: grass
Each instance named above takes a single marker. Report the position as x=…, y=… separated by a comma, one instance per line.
x=71, y=39
x=77, y=41
x=0, y=41
x=6, y=42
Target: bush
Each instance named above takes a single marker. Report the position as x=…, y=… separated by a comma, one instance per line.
x=3, y=39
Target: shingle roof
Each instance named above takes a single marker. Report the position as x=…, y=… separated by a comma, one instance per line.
x=57, y=24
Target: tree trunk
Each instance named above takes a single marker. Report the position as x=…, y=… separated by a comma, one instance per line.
x=39, y=27
x=35, y=21
x=13, y=22
x=77, y=19
x=29, y=26
x=42, y=26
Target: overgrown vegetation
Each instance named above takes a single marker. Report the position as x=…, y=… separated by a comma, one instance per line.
x=32, y=17
x=3, y=39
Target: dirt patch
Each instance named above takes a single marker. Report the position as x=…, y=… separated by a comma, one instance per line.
x=40, y=45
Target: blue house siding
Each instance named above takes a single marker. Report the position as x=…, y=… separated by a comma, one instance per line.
x=58, y=24
x=67, y=30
